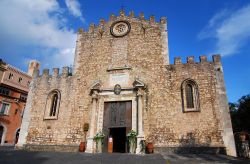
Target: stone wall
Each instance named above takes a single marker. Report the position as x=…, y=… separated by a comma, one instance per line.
x=169, y=125
x=142, y=55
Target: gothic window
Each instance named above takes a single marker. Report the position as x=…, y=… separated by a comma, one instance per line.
x=52, y=105
x=190, y=96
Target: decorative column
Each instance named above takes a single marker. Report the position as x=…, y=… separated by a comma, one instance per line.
x=140, y=136
x=90, y=142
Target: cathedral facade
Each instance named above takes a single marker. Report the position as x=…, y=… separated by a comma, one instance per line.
x=122, y=80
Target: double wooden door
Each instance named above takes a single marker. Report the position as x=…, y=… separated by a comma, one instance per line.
x=117, y=117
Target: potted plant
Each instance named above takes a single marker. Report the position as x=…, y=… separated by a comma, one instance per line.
x=150, y=148
x=82, y=147
x=98, y=138
x=132, y=141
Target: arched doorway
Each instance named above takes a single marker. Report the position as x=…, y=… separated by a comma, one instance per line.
x=1, y=133
x=17, y=136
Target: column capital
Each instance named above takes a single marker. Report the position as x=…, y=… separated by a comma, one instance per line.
x=95, y=88
x=140, y=91
x=94, y=94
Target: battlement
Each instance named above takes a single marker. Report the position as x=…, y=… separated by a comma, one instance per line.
x=66, y=71
x=122, y=16
x=202, y=59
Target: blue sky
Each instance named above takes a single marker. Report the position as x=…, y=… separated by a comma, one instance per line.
x=45, y=30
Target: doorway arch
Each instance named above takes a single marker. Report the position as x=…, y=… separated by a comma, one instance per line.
x=17, y=135
x=3, y=131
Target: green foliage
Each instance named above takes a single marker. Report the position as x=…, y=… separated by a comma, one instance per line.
x=99, y=136
x=132, y=134
x=132, y=141
x=240, y=114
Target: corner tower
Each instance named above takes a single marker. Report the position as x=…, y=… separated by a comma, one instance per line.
x=33, y=65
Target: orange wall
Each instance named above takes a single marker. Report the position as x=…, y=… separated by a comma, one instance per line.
x=13, y=120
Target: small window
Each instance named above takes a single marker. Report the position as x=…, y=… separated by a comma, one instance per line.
x=20, y=80
x=4, y=91
x=10, y=76
x=23, y=97
x=190, y=96
x=52, y=105
x=4, y=108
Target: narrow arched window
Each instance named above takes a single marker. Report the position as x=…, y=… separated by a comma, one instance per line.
x=52, y=105
x=190, y=95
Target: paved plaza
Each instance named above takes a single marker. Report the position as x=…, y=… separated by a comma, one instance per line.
x=25, y=157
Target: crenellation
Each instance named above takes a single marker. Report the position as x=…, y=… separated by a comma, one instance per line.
x=91, y=28
x=190, y=60
x=141, y=16
x=131, y=14
x=65, y=72
x=101, y=22
x=45, y=72
x=98, y=30
x=112, y=17
x=177, y=60
x=203, y=58
x=217, y=59
x=122, y=13
x=152, y=19
x=163, y=20
x=55, y=72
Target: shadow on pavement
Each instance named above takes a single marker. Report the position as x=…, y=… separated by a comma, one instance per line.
x=26, y=157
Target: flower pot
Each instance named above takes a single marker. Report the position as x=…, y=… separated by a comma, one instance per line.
x=99, y=146
x=150, y=148
x=132, y=147
x=82, y=147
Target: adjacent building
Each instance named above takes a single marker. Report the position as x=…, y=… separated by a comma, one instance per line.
x=122, y=80
x=14, y=88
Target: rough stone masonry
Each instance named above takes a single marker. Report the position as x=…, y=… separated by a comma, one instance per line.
x=178, y=107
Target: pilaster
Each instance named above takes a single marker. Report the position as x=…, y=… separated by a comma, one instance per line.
x=140, y=137
x=90, y=142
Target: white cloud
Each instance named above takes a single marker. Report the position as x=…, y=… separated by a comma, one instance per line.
x=231, y=30
x=40, y=24
x=74, y=8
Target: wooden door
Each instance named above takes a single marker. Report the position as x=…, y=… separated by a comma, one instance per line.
x=116, y=114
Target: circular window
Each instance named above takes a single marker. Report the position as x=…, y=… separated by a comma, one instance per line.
x=120, y=28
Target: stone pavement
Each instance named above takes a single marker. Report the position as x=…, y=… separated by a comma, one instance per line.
x=25, y=157
x=202, y=158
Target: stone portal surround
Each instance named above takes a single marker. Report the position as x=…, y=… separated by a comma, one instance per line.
x=100, y=97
